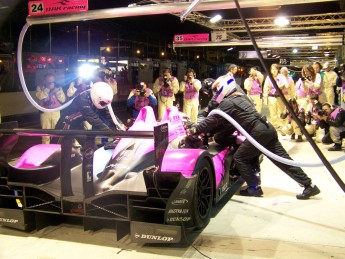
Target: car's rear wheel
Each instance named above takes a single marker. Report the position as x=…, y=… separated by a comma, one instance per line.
x=203, y=194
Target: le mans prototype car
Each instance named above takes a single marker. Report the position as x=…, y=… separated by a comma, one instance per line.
x=147, y=183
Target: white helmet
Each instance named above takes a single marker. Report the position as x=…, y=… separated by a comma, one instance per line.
x=226, y=86
x=101, y=94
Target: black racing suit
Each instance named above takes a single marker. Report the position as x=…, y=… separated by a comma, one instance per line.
x=82, y=109
x=239, y=107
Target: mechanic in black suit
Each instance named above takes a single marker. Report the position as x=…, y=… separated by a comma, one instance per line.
x=240, y=108
x=90, y=106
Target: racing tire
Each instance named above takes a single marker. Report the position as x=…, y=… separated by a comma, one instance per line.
x=203, y=194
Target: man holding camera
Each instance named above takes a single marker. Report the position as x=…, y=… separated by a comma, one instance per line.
x=140, y=97
x=165, y=88
x=253, y=86
x=190, y=87
x=335, y=118
x=50, y=97
x=106, y=75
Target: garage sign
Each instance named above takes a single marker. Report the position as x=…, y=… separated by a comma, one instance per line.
x=198, y=37
x=52, y=7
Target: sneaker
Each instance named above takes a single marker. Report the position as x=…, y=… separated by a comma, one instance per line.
x=255, y=191
x=336, y=147
x=308, y=192
x=293, y=136
x=299, y=138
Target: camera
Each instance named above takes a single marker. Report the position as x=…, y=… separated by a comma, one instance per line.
x=141, y=90
x=321, y=113
x=189, y=79
x=47, y=103
x=166, y=81
x=108, y=76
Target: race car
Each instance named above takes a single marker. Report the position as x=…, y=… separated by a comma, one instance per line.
x=147, y=183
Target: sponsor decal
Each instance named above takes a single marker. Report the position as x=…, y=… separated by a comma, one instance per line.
x=179, y=201
x=123, y=154
x=88, y=153
x=179, y=219
x=51, y=7
x=183, y=192
x=154, y=237
x=7, y=220
x=121, y=166
x=88, y=176
x=164, y=128
x=178, y=211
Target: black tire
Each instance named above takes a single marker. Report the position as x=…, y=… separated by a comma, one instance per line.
x=203, y=194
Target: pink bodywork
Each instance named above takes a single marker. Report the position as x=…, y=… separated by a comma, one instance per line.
x=36, y=155
x=175, y=160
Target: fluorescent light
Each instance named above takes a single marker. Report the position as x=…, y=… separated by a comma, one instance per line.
x=230, y=49
x=216, y=18
x=281, y=21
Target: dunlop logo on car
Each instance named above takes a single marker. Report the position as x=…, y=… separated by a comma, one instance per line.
x=154, y=237
x=7, y=220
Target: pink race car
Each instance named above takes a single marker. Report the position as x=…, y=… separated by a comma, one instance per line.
x=147, y=183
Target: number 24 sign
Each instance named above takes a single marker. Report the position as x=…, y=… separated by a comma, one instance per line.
x=49, y=7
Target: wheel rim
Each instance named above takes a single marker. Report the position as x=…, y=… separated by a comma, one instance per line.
x=204, y=193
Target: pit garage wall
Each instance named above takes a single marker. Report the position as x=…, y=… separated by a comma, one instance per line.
x=15, y=103
x=340, y=55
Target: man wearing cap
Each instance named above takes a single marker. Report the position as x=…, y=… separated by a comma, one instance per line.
x=329, y=81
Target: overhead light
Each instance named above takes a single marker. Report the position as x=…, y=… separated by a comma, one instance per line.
x=230, y=49
x=315, y=47
x=294, y=50
x=281, y=21
x=216, y=18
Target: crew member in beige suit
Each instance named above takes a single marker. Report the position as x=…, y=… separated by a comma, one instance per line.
x=329, y=81
x=165, y=88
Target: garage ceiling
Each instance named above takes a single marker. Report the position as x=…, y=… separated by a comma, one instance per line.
x=312, y=28
x=312, y=23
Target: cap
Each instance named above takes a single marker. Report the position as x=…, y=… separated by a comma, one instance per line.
x=326, y=65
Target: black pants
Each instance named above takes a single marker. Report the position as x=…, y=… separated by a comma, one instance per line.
x=247, y=153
